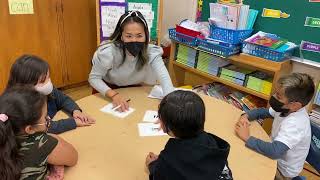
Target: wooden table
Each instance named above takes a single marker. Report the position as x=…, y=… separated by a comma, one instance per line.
x=113, y=150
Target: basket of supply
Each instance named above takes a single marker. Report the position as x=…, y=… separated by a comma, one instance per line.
x=268, y=46
x=260, y=81
x=229, y=35
x=218, y=48
x=182, y=38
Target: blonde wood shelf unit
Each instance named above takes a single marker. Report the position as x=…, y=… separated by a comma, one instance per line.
x=276, y=69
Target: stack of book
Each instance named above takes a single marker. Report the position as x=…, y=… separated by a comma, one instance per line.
x=186, y=55
x=235, y=74
x=210, y=64
x=238, y=99
x=260, y=81
x=271, y=41
x=232, y=15
x=315, y=116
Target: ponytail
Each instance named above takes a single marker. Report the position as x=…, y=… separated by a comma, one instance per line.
x=10, y=160
x=19, y=107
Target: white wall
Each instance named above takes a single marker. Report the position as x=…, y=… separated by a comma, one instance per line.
x=176, y=10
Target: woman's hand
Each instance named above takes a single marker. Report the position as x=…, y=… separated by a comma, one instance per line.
x=118, y=100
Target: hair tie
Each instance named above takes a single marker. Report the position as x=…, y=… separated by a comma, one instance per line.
x=3, y=117
x=136, y=14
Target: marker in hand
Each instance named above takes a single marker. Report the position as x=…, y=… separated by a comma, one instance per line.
x=117, y=107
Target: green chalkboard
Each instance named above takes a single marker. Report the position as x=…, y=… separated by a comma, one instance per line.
x=291, y=28
x=155, y=7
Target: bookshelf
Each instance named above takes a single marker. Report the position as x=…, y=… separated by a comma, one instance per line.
x=276, y=69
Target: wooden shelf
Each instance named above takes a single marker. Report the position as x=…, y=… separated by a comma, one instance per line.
x=217, y=79
x=247, y=59
x=258, y=62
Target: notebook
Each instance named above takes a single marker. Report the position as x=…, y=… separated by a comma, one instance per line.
x=251, y=18
x=244, y=13
x=225, y=15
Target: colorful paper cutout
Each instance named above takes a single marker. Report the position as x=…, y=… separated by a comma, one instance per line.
x=273, y=13
x=312, y=22
x=309, y=46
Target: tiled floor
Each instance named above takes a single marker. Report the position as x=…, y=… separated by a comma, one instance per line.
x=83, y=91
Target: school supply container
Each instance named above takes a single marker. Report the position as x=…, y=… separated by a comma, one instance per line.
x=229, y=35
x=218, y=48
x=182, y=38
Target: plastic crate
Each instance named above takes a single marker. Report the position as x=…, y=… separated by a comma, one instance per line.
x=265, y=52
x=216, y=49
x=182, y=38
x=229, y=35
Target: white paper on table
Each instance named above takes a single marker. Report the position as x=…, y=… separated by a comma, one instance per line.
x=150, y=129
x=150, y=116
x=157, y=92
x=108, y=109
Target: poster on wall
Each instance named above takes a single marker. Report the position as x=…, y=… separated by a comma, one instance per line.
x=110, y=13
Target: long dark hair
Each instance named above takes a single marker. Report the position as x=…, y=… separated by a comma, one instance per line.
x=23, y=106
x=28, y=70
x=131, y=17
x=183, y=113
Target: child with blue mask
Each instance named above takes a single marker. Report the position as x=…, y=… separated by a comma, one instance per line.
x=291, y=131
x=128, y=60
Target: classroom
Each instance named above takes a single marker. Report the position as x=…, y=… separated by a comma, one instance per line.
x=160, y=90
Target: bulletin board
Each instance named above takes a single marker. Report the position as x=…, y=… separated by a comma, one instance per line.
x=292, y=28
x=109, y=11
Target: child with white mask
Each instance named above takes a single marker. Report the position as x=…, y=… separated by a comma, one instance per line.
x=32, y=70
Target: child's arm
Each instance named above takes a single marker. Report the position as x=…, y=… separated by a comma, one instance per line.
x=273, y=150
x=63, y=154
x=259, y=113
x=62, y=125
x=64, y=102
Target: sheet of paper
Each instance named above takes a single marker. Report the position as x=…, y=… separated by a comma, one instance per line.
x=157, y=92
x=150, y=129
x=108, y=109
x=109, y=18
x=140, y=6
x=20, y=6
x=150, y=116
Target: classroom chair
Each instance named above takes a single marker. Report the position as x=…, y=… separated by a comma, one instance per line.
x=313, y=157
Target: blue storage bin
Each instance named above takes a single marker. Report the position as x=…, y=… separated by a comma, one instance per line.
x=229, y=35
x=265, y=52
x=182, y=38
x=218, y=50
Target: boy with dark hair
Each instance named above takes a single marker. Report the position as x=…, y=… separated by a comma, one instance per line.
x=191, y=153
x=291, y=132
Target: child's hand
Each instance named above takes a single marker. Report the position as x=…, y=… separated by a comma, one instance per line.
x=150, y=158
x=242, y=130
x=83, y=117
x=81, y=123
x=244, y=120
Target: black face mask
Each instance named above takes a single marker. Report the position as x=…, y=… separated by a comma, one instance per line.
x=134, y=48
x=277, y=105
